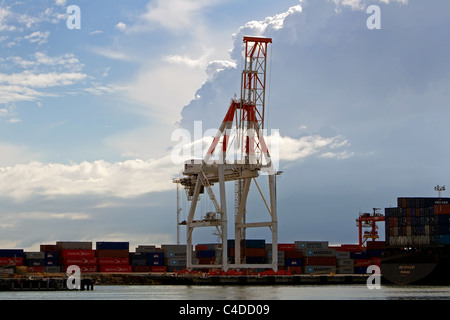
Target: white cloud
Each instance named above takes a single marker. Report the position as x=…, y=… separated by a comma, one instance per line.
x=121, y=26
x=38, y=37
x=60, y=2
x=176, y=15
x=126, y=179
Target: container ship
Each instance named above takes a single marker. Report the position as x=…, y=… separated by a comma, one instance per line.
x=417, y=242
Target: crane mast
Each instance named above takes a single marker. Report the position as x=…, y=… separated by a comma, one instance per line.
x=243, y=124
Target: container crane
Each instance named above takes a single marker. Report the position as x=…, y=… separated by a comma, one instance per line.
x=246, y=119
x=368, y=221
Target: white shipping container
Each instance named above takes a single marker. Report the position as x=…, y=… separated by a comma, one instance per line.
x=345, y=262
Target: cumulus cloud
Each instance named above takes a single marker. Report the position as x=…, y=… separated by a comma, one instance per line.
x=126, y=179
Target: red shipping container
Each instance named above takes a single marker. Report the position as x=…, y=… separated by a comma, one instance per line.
x=362, y=262
x=201, y=247
x=255, y=252
x=158, y=269
x=78, y=253
x=294, y=270
x=293, y=254
x=112, y=253
x=286, y=246
x=349, y=247
x=113, y=261
x=206, y=260
x=375, y=261
x=37, y=269
x=116, y=269
x=319, y=261
x=375, y=245
x=11, y=261
x=141, y=268
x=79, y=261
x=84, y=269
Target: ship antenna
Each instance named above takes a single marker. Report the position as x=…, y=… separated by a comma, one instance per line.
x=439, y=189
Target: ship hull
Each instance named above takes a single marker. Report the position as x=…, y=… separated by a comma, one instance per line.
x=424, y=266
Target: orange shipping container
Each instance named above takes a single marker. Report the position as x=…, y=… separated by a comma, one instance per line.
x=442, y=209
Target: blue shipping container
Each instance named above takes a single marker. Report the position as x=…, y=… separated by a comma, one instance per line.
x=442, y=239
x=34, y=262
x=254, y=260
x=51, y=255
x=359, y=255
x=155, y=255
x=11, y=253
x=156, y=262
x=293, y=262
x=51, y=261
x=108, y=245
x=206, y=253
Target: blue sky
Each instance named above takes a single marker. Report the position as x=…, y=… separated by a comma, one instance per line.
x=87, y=116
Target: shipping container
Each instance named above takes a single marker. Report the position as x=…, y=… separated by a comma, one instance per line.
x=51, y=262
x=255, y=260
x=206, y=253
x=293, y=254
x=113, y=261
x=115, y=269
x=112, y=245
x=342, y=254
x=50, y=255
x=255, y=252
x=155, y=255
x=34, y=262
x=11, y=253
x=74, y=245
x=48, y=248
x=76, y=253
x=293, y=262
x=36, y=269
x=311, y=245
x=146, y=248
x=350, y=247
x=345, y=262
x=158, y=262
x=320, y=269
x=112, y=253
x=83, y=268
x=34, y=255
x=375, y=245
x=158, y=269
x=294, y=270
x=345, y=270
x=141, y=269
x=78, y=261
x=5, y=261
x=285, y=246
x=319, y=252
x=319, y=261
x=53, y=269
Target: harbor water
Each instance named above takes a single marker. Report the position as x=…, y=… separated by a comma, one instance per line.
x=241, y=293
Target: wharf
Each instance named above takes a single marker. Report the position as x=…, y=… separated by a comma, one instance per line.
x=41, y=284
x=300, y=279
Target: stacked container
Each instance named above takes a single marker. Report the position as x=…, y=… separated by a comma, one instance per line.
x=344, y=265
x=11, y=257
x=317, y=257
x=254, y=251
x=35, y=261
x=418, y=222
x=174, y=256
x=50, y=252
x=206, y=253
x=113, y=256
x=77, y=253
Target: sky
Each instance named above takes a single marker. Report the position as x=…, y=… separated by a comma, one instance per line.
x=88, y=114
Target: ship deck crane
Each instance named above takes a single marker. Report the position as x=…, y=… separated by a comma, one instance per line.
x=245, y=121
